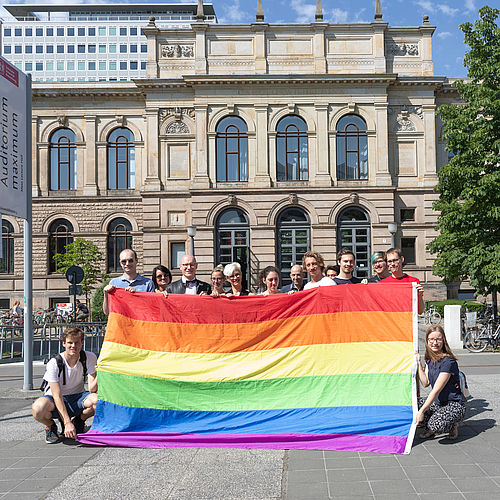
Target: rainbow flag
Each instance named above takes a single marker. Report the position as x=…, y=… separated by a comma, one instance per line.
x=326, y=369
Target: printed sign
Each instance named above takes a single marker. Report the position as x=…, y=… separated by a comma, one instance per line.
x=13, y=141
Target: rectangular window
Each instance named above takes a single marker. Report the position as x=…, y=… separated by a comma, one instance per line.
x=39, y=31
x=81, y=49
x=133, y=64
x=112, y=65
x=28, y=49
x=49, y=66
x=123, y=31
x=91, y=65
x=133, y=31
x=177, y=251
x=408, y=250
x=60, y=65
x=7, y=32
x=102, y=65
x=407, y=214
x=102, y=31
x=91, y=31
x=143, y=64
x=81, y=31
x=18, y=65
x=133, y=48
x=123, y=49
x=102, y=49
x=112, y=31
x=60, y=31
x=70, y=49
x=123, y=65
x=71, y=65
x=39, y=49
x=91, y=49
x=28, y=66
x=49, y=32
x=7, y=49
x=60, y=49
x=49, y=49
x=70, y=31
x=81, y=66
x=144, y=47
x=112, y=49
x=18, y=32
x=28, y=32
x=18, y=49
x=39, y=66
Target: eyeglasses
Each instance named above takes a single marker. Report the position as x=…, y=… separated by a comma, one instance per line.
x=127, y=261
x=394, y=261
x=234, y=276
x=435, y=341
x=379, y=263
x=161, y=277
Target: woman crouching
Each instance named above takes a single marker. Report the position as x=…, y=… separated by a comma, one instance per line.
x=444, y=407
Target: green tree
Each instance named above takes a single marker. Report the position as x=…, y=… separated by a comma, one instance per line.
x=85, y=254
x=468, y=246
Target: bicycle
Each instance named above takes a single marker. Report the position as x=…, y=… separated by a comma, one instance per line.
x=431, y=316
x=477, y=340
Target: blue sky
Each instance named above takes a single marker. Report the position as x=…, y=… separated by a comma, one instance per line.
x=448, y=45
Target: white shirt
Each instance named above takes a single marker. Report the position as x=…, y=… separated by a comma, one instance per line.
x=190, y=286
x=325, y=281
x=74, y=376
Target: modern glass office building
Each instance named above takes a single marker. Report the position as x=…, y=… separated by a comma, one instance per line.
x=101, y=42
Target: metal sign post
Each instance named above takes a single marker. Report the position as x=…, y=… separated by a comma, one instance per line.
x=75, y=275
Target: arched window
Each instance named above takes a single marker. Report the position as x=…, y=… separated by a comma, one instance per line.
x=353, y=231
x=291, y=149
x=352, y=148
x=232, y=240
x=121, y=159
x=232, y=150
x=62, y=154
x=7, y=260
x=293, y=240
x=119, y=238
x=60, y=235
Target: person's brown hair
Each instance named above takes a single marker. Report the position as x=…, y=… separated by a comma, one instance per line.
x=314, y=255
x=72, y=331
x=393, y=250
x=446, y=351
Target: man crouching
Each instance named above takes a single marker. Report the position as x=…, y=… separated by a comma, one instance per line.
x=64, y=391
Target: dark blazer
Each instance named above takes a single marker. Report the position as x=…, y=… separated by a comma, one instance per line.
x=179, y=287
x=291, y=286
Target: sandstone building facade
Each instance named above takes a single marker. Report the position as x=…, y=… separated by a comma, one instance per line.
x=270, y=139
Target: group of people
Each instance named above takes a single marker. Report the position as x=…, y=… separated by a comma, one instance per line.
x=65, y=398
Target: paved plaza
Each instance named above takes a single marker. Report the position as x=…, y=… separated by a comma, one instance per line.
x=467, y=468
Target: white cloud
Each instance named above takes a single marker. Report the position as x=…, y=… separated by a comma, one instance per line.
x=444, y=34
x=470, y=5
x=305, y=11
x=233, y=13
x=449, y=11
x=430, y=6
x=338, y=15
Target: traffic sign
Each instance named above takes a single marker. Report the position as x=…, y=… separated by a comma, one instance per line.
x=75, y=274
x=75, y=289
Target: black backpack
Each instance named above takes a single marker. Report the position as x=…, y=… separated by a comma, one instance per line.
x=60, y=366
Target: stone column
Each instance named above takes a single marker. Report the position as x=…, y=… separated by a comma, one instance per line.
x=260, y=47
x=201, y=178
x=151, y=34
x=319, y=47
x=383, y=176
x=43, y=167
x=90, y=168
x=379, y=61
x=35, y=166
x=429, y=111
x=262, y=178
x=200, y=62
x=426, y=45
x=152, y=181
x=102, y=172
x=322, y=175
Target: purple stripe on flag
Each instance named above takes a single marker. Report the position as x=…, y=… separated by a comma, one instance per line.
x=298, y=441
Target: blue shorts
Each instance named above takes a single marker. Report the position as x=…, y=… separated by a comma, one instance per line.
x=73, y=403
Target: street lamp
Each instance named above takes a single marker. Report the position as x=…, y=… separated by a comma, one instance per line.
x=191, y=230
x=392, y=228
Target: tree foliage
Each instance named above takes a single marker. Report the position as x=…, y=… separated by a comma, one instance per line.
x=468, y=246
x=85, y=254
